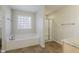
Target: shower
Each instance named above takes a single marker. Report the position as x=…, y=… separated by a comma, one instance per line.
x=48, y=29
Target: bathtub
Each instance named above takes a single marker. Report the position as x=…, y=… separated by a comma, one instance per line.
x=22, y=41
x=26, y=37
x=71, y=45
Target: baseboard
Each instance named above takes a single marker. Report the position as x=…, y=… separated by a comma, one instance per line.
x=49, y=40
x=60, y=42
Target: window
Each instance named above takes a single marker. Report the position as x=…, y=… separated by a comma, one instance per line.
x=24, y=22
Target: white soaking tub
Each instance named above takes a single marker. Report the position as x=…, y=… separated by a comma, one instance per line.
x=21, y=41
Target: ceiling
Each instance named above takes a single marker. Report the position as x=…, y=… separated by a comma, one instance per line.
x=30, y=8
x=52, y=8
x=35, y=8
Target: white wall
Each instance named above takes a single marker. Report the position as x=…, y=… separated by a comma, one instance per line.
x=66, y=15
x=5, y=26
x=40, y=25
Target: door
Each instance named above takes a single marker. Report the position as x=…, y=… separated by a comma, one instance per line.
x=48, y=30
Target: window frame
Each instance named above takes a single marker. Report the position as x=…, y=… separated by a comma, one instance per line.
x=15, y=14
x=24, y=23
